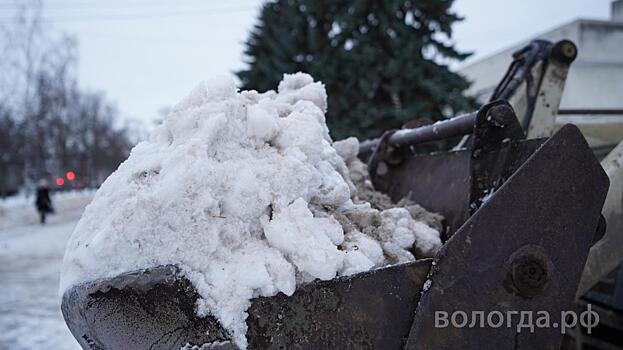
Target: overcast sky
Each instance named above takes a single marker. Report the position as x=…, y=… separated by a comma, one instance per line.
x=147, y=54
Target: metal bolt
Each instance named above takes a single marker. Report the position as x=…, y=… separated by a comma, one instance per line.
x=565, y=51
x=496, y=115
x=568, y=49
x=529, y=275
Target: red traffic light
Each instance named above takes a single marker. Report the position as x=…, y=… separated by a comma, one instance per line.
x=70, y=175
x=60, y=181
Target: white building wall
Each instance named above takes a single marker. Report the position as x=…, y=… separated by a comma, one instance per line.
x=596, y=76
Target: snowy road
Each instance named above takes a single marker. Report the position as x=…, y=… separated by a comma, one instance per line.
x=30, y=262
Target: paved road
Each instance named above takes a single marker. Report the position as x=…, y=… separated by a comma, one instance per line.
x=30, y=262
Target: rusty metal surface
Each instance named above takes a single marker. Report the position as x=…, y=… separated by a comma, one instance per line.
x=148, y=309
x=456, y=183
x=154, y=309
x=372, y=310
x=524, y=249
x=495, y=124
x=491, y=169
x=439, y=182
x=494, y=158
x=552, y=85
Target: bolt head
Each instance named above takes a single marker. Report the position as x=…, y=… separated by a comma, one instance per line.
x=529, y=275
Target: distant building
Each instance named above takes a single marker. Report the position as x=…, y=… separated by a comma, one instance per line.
x=594, y=83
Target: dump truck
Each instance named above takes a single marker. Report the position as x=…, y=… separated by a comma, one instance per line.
x=522, y=202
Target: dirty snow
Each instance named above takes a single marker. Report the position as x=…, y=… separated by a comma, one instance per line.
x=366, y=193
x=220, y=345
x=247, y=195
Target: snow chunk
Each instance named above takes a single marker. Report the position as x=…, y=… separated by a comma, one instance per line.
x=247, y=195
x=214, y=90
x=262, y=122
x=347, y=148
x=301, y=87
x=295, y=227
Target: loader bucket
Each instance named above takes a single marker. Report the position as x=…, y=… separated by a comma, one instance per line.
x=154, y=309
x=522, y=216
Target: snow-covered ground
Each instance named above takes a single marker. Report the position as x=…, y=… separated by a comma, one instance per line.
x=30, y=263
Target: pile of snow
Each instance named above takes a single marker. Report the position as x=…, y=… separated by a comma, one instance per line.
x=246, y=194
x=366, y=193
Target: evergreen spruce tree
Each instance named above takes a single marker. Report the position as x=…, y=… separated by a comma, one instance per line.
x=383, y=62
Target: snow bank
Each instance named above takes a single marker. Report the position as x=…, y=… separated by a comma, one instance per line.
x=246, y=194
